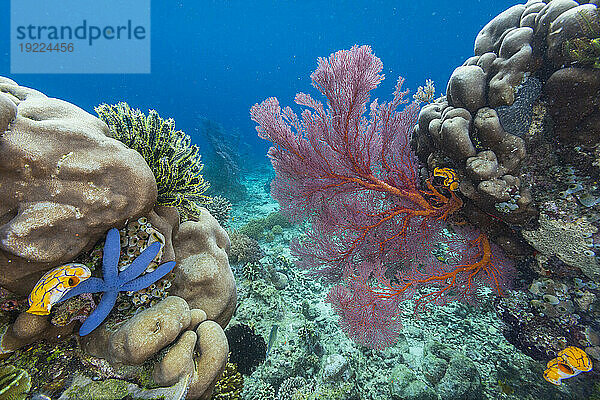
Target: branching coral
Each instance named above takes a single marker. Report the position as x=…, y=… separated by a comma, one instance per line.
x=244, y=249
x=220, y=208
x=172, y=158
x=256, y=228
x=230, y=386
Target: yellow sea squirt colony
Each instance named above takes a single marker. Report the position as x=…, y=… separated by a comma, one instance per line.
x=450, y=177
x=54, y=285
x=570, y=362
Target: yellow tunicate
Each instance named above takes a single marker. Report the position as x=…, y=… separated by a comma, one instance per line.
x=576, y=358
x=449, y=175
x=54, y=285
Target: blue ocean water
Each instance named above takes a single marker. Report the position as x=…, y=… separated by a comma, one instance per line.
x=211, y=61
x=215, y=59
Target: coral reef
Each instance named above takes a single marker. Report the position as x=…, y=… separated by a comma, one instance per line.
x=136, y=236
x=174, y=161
x=53, y=203
x=148, y=339
x=520, y=126
x=162, y=344
x=263, y=391
x=181, y=327
x=308, y=334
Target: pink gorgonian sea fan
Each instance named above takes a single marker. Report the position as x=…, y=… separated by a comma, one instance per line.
x=347, y=168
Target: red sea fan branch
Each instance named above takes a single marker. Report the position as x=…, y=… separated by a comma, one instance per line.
x=353, y=176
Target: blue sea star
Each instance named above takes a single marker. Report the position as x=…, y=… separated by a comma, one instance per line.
x=115, y=282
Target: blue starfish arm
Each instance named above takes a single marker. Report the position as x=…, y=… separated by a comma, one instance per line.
x=100, y=313
x=140, y=264
x=90, y=285
x=110, y=258
x=146, y=280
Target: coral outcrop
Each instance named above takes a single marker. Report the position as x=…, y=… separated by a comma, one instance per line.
x=485, y=126
x=188, y=322
x=169, y=322
x=142, y=336
x=64, y=184
x=521, y=127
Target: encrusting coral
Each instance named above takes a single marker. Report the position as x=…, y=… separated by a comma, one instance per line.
x=172, y=158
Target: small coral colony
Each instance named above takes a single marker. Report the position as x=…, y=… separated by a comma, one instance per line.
x=404, y=204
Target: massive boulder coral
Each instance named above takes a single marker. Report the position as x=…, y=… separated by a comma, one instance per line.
x=520, y=125
x=202, y=274
x=170, y=322
x=142, y=336
x=525, y=59
x=63, y=182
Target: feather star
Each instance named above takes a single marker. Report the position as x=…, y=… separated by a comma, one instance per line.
x=129, y=280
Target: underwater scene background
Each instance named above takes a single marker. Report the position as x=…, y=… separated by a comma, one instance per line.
x=272, y=213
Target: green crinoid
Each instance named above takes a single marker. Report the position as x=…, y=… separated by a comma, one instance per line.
x=14, y=383
x=172, y=158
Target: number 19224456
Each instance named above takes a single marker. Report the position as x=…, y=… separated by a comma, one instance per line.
x=40, y=47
